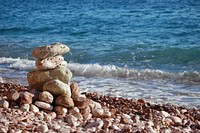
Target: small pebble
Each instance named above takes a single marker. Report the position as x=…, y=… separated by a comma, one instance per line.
x=42, y=129
x=4, y=103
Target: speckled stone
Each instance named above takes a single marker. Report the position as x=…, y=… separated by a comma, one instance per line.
x=50, y=50
x=50, y=63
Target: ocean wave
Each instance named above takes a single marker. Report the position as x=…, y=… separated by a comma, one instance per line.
x=110, y=71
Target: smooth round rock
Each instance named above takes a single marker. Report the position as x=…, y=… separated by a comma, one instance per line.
x=34, y=108
x=64, y=100
x=37, y=79
x=176, y=120
x=44, y=105
x=4, y=103
x=46, y=96
x=42, y=129
x=50, y=50
x=97, y=112
x=25, y=107
x=56, y=88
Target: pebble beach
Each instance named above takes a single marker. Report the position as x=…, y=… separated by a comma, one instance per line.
x=126, y=115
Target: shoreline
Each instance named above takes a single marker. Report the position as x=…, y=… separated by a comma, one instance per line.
x=127, y=115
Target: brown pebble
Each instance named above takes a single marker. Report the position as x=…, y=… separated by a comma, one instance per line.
x=75, y=90
x=13, y=95
x=26, y=98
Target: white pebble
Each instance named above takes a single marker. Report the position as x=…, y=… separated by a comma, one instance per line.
x=4, y=103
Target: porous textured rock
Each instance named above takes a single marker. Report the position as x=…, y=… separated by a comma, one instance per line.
x=50, y=50
x=50, y=62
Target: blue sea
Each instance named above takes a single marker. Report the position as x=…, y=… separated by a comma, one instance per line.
x=126, y=48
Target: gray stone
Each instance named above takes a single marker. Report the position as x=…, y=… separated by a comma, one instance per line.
x=37, y=79
x=56, y=88
x=50, y=50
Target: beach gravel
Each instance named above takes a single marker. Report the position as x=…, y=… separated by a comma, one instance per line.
x=123, y=115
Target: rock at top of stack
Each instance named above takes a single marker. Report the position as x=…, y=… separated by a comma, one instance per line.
x=50, y=65
x=44, y=52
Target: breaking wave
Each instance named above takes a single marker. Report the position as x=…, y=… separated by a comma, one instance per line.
x=111, y=71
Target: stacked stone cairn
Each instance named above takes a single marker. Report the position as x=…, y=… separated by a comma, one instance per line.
x=50, y=88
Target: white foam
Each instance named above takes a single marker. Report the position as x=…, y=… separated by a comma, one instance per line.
x=110, y=71
x=18, y=63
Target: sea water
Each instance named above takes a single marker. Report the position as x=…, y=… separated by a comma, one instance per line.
x=126, y=48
